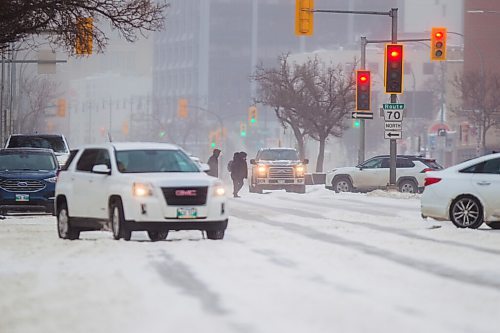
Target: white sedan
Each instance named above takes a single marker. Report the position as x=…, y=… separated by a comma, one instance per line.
x=125, y=187
x=468, y=194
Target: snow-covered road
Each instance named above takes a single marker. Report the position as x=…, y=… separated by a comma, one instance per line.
x=319, y=262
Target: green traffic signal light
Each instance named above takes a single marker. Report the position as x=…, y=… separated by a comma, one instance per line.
x=243, y=133
x=253, y=120
x=357, y=123
x=213, y=145
x=162, y=134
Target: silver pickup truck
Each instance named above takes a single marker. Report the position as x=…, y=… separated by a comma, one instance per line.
x=278, y=169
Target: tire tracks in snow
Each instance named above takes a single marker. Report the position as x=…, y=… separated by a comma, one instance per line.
x=396, y=231
x=439, y=270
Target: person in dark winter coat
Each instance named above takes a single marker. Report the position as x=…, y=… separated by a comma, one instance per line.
x=239, y=171
x=213, y=163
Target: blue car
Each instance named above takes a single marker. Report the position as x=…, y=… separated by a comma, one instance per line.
x=27, y=179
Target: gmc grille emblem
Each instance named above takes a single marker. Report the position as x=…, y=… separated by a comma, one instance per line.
x=186, y=193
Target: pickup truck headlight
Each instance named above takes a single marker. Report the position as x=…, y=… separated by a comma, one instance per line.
x=142, y=189
x=261, y=170
x=218, y=189
x=299, y=170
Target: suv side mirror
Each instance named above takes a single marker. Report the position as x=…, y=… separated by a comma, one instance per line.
x=101, y=169
x=252, y=161
x=306, y=161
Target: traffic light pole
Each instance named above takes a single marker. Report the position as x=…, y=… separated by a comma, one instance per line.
x=362, y=128
x=393, y=143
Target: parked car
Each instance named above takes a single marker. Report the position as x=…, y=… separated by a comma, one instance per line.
x=27, y=179
x=56, y=142
x=277, y=169
x=468, y=194
x=374, y=174
x=126, y=187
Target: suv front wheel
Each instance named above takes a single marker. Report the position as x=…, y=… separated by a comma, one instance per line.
x=342, y=184
x=118, y=222
x=64, y=228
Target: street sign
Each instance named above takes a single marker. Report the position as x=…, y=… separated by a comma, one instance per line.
x=362, y=115
x=393, y=115
x=393, y=126
x=393, y=134
x=393, y=106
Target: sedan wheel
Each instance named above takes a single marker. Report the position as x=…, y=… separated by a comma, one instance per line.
x=342, y=185
x=466, y=212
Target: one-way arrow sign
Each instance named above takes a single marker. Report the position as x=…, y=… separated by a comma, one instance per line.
x=362, y=115
x=393, y=134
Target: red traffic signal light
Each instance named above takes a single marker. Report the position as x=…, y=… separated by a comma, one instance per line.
x=363, y=85
x=438, y=44
x=393, y=64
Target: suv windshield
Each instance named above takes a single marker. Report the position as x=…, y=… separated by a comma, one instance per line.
x=27, y=160
x=141, y=161
x=56, y=143
x=279, y=155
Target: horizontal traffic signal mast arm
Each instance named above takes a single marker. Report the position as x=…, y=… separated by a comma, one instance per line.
x=362, y=12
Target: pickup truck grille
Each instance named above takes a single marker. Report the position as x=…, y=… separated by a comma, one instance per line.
x=20, y=185
x=281, y=172
x=185, y=196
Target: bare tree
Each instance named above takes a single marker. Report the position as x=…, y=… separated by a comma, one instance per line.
x=480, y=100
x=312, y=98
x=21, y=19
x=37, y=94
x=283, y=90
x=330, y=98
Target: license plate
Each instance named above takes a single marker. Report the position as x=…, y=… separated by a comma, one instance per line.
x=187, y=213
x=22, y=197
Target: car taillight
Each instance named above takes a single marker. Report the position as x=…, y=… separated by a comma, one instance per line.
x=426, y=169
x=431, y=180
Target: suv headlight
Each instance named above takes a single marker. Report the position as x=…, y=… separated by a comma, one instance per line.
x=218, y=189
x=142, y=189
x=51, y=179
x=300, y=170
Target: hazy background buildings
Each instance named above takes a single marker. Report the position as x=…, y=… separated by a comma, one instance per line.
x=208, y=52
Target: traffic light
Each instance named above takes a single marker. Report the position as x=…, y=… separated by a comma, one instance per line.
x=213, y=139
x=438, y=44
x=125, y=128
x=182, y=108
x=61, y=107
x=304, y=18
x=243, y=130
x=83, y=38
x=393, y=73
x=356, y=123
x=252, y=115
x=363, y=84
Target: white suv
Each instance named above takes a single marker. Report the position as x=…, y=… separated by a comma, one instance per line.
x=374, y=174
x=125, y=187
